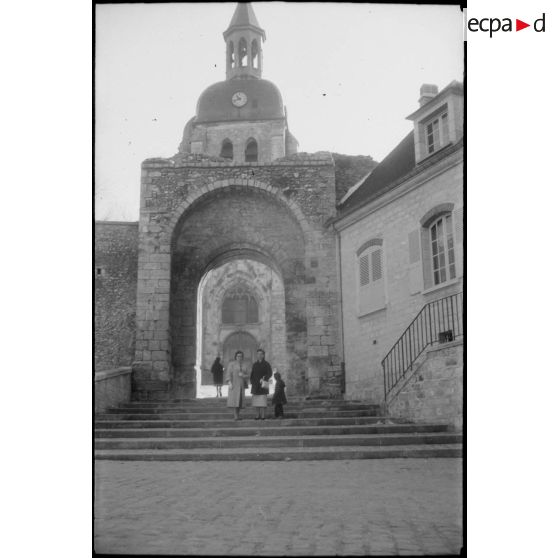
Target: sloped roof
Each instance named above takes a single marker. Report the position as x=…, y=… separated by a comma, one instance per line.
x=244, y=16
x=398, y=164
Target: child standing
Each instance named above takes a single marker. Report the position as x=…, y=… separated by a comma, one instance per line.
x=279, y=397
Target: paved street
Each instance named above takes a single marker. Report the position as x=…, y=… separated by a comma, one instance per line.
x=360, y=507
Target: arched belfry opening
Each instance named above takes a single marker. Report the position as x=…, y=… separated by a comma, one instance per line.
x=230, y=56
x=226, y=149
x=251, y=151
x=255, y=52
x=237, y=257
x=242, y=53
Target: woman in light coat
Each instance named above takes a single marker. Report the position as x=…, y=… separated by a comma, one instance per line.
x=237, y=375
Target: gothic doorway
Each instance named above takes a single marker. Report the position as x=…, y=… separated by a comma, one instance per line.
x=261, y=258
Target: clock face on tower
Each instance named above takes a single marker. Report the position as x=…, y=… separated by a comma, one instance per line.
x=239, y=99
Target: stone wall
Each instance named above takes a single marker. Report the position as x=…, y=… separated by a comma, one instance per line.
x=112, y=387
x=349, y=169
x=392, y=218
x=116, y=261
x=434, y=393
x=196, y=210
x=270, y=136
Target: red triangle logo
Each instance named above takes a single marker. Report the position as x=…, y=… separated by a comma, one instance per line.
x=519, y=25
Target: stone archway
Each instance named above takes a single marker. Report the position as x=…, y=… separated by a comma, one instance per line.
x=191, y=218
x=246, y=277
x=225, y=226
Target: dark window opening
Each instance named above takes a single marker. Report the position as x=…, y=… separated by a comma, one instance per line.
x=230, y=54
x=227, y=149
x=242, y=53
x=251, y=152
x=255, y=54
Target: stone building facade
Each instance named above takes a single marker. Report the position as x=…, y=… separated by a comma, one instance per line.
x=198, y=214
x=323, y=260
x=237, y=209
x=385, y=229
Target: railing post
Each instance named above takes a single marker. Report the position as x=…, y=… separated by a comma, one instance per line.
x=430, y=322
x=385, y=386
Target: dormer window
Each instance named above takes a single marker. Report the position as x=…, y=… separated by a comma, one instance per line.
x=437, y=133
x=439, y=120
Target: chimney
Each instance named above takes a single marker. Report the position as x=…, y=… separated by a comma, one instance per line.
x=427, y=91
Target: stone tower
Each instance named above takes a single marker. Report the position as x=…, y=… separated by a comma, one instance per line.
x=243, y=117
x=233, y=244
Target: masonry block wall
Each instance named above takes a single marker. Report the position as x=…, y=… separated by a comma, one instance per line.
x=197, y=209
x=368, y=338
x=435, y=391
x=208, y=138
x=116, y=260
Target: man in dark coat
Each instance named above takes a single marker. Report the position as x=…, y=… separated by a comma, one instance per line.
x=261, y=371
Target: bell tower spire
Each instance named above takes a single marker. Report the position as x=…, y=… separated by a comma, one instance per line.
x=244, y=38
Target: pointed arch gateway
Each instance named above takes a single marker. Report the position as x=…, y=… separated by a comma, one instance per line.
x=238, y=224
x=239, y=273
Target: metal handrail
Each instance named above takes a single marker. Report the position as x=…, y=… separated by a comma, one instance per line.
x=438, y=321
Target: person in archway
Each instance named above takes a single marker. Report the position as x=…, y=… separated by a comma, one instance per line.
x=279, y=398
x=261, y=374
x=237, y=378
x=217, y=372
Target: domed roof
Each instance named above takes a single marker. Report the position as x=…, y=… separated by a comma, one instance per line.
x=264, y=101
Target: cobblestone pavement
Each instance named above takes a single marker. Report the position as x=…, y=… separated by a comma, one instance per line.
x=305, y=508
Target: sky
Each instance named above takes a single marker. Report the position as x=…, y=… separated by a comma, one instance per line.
x=349, y=74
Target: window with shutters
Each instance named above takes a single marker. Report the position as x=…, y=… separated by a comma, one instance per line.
x=442, y=248
x=441, y=240
x=364, y=270
x=370, y=277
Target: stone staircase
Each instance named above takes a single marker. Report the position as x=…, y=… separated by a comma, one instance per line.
x=204, y=430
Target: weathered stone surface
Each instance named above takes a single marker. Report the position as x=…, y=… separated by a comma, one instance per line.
x=116, y=265
x=349, y=169
x=272, y=214
x=435, y=391
x=112, y=388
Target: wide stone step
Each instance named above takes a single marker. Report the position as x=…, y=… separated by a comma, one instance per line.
x=284, y=454
x=117, y=423
x=137, y=409
x=278, y=441
x=269, y=431
x=227, y=414
x=222, y=403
